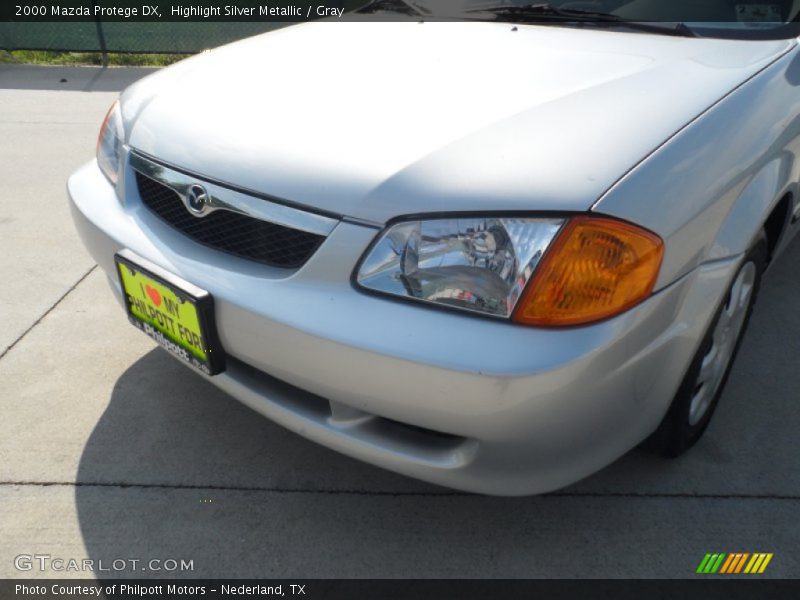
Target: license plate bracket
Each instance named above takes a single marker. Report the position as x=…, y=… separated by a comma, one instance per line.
x=175, y=313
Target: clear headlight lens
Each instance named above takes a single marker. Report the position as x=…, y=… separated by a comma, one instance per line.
x=481, y=264
x=109, y=144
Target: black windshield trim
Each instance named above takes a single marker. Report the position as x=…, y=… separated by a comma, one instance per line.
x=544, y=13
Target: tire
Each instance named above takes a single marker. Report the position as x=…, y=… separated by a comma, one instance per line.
x=698, y=395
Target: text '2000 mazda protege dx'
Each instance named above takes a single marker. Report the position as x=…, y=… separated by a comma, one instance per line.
x=495, y=253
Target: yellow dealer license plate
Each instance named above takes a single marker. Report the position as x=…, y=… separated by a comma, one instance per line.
x=179, y=316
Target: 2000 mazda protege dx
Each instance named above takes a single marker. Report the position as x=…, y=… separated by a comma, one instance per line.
x=487, y=253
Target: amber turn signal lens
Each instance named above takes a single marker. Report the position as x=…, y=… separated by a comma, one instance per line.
x=595, y=269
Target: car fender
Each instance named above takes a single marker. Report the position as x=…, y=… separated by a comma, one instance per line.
x=709, y=189
x=762, y=194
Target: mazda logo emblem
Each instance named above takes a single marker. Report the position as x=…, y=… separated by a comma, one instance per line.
x=197, y=199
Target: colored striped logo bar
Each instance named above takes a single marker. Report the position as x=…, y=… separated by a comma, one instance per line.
x=734, y=563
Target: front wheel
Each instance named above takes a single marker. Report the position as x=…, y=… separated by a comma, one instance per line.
x=699, y=393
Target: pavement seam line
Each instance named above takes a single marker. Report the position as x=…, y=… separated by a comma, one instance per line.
x=356, y=492
x=47, y=312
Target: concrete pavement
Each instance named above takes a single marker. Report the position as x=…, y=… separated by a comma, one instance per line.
x=110, y=449
x=48, y=127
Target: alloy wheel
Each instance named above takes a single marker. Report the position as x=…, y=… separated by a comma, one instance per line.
x=727, y=331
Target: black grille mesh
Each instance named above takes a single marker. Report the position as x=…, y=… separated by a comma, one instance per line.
x=230, y=232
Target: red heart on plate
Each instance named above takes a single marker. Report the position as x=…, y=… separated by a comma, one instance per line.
x=155, y=297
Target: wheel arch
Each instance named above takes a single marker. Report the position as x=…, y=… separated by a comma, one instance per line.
x=777, y=224
x=765, y=204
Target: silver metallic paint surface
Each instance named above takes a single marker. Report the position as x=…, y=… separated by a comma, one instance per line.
x=538, y=408
x=401, y=118
x=708, y=191
x=695, y=139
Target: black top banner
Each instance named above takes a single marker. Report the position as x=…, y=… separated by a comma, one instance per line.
x=748, y=14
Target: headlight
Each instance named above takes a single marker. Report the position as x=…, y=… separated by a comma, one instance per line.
x=545, y=272
x=109, y=144
x=480, y=264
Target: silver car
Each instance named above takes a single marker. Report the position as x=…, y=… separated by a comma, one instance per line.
x=494, y=253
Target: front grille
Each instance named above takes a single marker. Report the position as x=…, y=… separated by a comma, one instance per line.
x=228, y=231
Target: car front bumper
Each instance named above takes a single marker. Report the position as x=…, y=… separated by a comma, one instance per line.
x=471, y=403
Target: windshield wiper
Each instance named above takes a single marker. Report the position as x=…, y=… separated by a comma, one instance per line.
x=543, y=12
x=406, y=7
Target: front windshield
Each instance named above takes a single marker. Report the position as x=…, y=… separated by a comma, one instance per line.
x=727, y=18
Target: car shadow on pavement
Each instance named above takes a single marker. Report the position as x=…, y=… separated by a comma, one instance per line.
x=177, y=469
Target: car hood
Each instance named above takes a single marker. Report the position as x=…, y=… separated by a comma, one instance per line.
x=376, y=120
